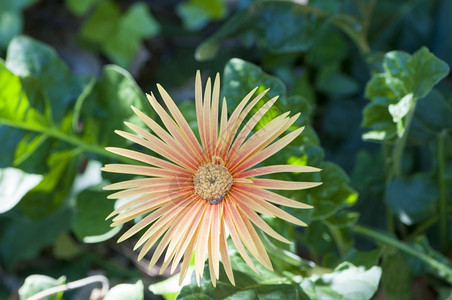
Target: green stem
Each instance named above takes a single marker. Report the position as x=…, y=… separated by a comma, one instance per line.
x=390, y=227
x=442, y=206
x=390, y=241
x=401, y=142
x=338, y=239
x=421, y=228
x=71, y=139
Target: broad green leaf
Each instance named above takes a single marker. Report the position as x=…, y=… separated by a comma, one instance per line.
x=65, y=247
x=336, y=84
x=240, y=77
x=14, y=184
x=281, y=27
x=390, y=91
x=34, y=236
x=196, y=14
x=108, y=106
x=91, y=209
x=435, y=263
x=345, y=282
x=412, y=199
x=36, y=283
x=126, y=291
x=49, y=82
x=80, y=7
x=433, y=114
x=396, y=277
x=119, y=36
x=11, y=24
x=53, y=190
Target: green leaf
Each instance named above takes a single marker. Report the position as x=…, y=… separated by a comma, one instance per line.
x=119, y=36
x=126, y=291
x=196, y=14
x=11, y=24
x=346, y=282
x=36, y=283
x=54, y=187
x=396, y=277
x=412, y=199
x=109, y=105
x=14, y=184
x=438, y=264
x=34, y=235
x=394, y=92
x=49, y=81
x=240, y=77
x=281, y=27
x=91, y=209
x=80, y=7
x=432, y=115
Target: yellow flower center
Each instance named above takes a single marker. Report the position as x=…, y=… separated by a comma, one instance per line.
x=212, y=181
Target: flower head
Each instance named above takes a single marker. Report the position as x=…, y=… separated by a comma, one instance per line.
x=196, y=192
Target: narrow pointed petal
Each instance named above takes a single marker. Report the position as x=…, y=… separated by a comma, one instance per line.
x=277, y=169
x=274, y=184
x=201, y=243
x=267, y=152
x=188, y=133
x=151, y=160
x=261, y=223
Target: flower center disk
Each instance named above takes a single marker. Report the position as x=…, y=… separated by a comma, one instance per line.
x=212, y=181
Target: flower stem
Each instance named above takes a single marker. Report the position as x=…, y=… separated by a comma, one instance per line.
x=73, y=285
x=390, y=241
x=442, y=205
x=338, y=239
x=66, y=137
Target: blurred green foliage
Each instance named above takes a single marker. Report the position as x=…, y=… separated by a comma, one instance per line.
x=371, y=79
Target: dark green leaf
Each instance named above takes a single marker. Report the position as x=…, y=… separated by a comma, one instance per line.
x=396, y=277
x=91, y=209
x=196, y=14
x=412, y=199
x=105, y=110
x=53, y=189
x=34, y=235
x=119, y=36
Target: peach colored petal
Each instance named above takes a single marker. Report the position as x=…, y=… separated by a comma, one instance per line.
x=224, y=252
x=274, y=184
x=236, y=239
x=142, y=170
x=201, y=243
x=251, y=124
x=156, y=145
x=181, y=122
x=177, y=133
x=151, y=160
x=277, y=169
x=258, y=204
x=232, y=125
x=249, y=236
x=272, y=197
x=251, y=215
x=267, y=152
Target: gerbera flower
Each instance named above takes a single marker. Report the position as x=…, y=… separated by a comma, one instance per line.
x=195, y=192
